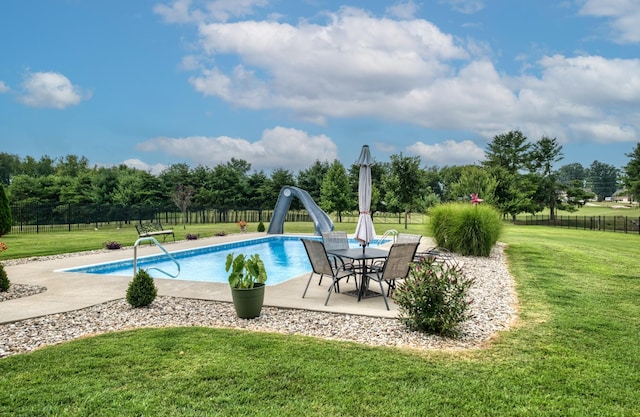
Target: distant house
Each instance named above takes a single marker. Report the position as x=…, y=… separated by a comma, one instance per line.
x=621, y=196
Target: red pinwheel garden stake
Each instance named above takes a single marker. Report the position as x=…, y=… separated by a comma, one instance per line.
x=475, y=200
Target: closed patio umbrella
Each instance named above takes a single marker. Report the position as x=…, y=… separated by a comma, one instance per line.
x=365, y=232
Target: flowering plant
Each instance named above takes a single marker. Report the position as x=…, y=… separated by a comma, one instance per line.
x=434, y=298
x=112, y=245
x=242, y=224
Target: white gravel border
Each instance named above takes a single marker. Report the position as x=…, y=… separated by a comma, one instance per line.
x=494, y=309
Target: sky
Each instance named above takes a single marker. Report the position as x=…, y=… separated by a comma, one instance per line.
x=285, y=83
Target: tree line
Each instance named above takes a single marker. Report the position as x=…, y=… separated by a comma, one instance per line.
x=516, y=176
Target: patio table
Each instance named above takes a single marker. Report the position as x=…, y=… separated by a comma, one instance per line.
x=362, y=255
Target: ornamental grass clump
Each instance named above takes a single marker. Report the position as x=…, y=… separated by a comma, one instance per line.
x=434, y=298
x=142, y=290
x=470, y=230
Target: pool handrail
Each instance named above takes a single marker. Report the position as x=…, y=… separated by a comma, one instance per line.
x=135, y=257
x=390, y=232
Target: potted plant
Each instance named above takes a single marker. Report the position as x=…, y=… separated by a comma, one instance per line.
x=247, y=276
x=243, y=226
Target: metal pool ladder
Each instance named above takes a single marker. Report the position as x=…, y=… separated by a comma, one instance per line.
x=135, y=257
x=390, y=232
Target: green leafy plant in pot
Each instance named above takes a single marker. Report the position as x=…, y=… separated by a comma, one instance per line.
x=247, y=276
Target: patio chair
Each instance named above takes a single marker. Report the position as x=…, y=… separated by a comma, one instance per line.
x=399, y=238
x=440, y=255
x=407, y=238
x=337, y=240
x=395, y=267
x=322, y=266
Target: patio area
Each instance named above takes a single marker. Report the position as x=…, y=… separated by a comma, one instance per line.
x=73, y=291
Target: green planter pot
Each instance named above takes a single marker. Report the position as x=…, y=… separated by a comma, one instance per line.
x=248, y=301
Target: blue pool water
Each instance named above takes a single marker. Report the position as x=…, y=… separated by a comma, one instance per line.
x=284, y=258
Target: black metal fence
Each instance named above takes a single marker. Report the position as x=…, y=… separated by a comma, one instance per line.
x=40, y=218
x=625, y=224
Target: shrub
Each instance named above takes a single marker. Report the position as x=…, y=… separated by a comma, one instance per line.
x=466, y=229
x=4, y=280
x=261, y=227
x=433, y=298
x=142, y=290
x=112, y=245
x=191, y=236
x=5, y=213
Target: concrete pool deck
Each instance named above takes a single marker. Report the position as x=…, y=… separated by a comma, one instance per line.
x=73, y=291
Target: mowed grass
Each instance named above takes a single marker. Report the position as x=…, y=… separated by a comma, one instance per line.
x=24, y=245
x=573, y=352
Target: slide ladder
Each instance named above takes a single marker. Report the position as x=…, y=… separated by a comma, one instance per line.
x=135, y=257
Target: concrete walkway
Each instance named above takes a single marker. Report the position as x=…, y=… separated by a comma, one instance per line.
x=72, y=291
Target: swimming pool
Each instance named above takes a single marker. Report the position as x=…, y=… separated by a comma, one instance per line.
x=284, y=258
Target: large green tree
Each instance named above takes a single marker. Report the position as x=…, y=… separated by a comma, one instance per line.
x=510, y=151
x=9, y=165
x=335, y=193
x=408, y=183
x=603, y=179
x=476, y=180
x=310, y=179
x=544, y=155
x=279, y=178
x=631, y=177
x=508, y=158
x=568, y=174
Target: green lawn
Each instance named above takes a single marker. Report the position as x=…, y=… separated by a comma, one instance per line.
x=574, y=352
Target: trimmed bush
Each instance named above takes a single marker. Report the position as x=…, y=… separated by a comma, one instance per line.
x=261, y=227
x=5, y=213
x=4, y=280
x=142, y=290
x=466, y=229
x=434, y=298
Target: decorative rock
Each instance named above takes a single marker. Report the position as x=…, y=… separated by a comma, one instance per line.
x=494, y=309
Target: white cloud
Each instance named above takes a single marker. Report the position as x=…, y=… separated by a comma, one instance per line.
x=278, y=147
x=155, y=169
x=623, y=16
x=578, y=97
x=448, y=152
x=181, y=11
x=178, y=12
x=408, y=71
x=464, y=6
x=4, y=88
x=403, y=10
x=223, y=10
x=605, y=132
x=352, y=66
x=50, y=89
